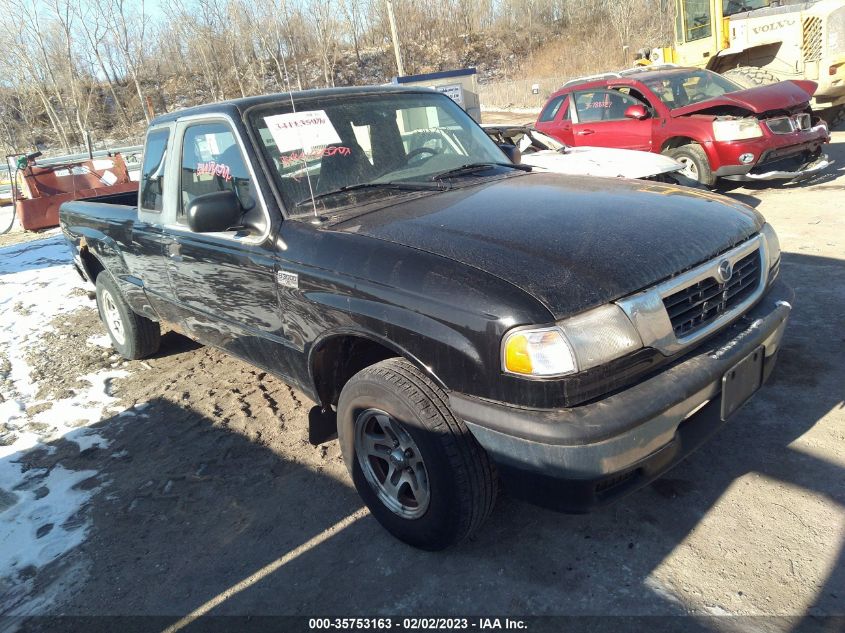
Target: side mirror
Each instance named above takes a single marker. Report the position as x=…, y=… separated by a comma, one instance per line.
x=636, y=112
x=512, y=152
x=214, y=212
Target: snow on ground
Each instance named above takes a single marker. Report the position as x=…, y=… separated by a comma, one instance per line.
x=39, y=507
x=6, y=217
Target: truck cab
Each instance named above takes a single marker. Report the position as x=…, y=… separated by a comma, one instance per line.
x=459, y=321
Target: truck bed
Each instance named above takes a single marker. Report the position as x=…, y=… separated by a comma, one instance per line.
x=110, y=208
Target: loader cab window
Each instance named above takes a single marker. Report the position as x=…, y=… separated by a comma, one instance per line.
x=732, y=7
x=697, y=20
x=152, y=171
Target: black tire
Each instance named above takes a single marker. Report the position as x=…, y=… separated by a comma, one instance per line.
x=141, y=336
x=696, y=163
x=750, y=76
x=677, y=178
x=461, y=477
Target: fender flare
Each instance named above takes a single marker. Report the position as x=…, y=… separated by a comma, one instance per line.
x=373, y=337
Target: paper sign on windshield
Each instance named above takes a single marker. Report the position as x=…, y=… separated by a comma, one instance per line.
x=301, y=130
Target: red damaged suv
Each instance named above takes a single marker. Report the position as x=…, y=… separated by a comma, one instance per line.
x=714, y=127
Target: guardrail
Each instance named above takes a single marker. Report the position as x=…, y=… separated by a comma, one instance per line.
x=131, y=155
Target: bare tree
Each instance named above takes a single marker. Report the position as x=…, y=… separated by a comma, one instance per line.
x=72, y=65
x=95, y=31
x=128, y=27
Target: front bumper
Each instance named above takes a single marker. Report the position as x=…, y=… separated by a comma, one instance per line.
x=777, y=156
x=804, y=170
x=580, y=458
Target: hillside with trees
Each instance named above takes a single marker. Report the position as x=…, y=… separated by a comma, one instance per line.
x=107, y=66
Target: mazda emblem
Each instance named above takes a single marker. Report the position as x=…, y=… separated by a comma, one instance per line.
x=725, y=271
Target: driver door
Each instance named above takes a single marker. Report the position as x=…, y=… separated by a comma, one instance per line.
x=224, y=283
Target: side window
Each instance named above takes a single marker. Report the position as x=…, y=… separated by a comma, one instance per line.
x=696, y=19
x=635, y=94
x=602, y=105
x=152, y=171
x=549, y=113
x=213, y=161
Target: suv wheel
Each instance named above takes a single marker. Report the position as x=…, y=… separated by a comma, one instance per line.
x=696, y=165
x=420, y=471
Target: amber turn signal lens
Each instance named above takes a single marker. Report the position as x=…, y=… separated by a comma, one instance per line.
x=541, y=352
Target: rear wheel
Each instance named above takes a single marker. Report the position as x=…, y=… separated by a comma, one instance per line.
x=696, y=165
x=132, y=335
x=750, y=76
x=420, y=471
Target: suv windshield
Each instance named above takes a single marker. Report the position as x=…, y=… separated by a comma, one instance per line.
x=677, y=90
x=371, y=142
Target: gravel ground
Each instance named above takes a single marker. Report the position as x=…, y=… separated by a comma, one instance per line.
x=208, y=497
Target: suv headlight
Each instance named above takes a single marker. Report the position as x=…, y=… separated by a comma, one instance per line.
x=772, y=250
x=575, y=344
x=736, y=129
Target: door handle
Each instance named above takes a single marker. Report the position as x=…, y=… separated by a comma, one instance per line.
x=584, y=132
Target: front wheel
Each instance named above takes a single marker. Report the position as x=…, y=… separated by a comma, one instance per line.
x=695, y=163
x=420, y=471
x=132, y=335
x=679, y=178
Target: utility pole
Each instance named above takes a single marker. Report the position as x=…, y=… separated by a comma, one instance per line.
x=395, y=37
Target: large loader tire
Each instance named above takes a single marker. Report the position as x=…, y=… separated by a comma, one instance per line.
x=750, y=76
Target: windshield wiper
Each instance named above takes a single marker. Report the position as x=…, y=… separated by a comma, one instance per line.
x=400, y=186
x=471, y=168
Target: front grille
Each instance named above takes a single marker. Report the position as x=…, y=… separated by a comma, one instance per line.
x=787, y=125
x=697, y=305
x=780, y=125
x=811, y=44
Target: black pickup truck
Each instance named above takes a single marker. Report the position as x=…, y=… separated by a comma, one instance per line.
x=463, y=321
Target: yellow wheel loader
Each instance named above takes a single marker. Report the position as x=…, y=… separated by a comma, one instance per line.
x=755, y=42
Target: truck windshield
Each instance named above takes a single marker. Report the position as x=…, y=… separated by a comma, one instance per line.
x=360, y=142
x=679, y=89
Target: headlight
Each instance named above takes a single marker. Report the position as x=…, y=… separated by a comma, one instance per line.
x=772, y=250
x=736, y=129
x=575, y=344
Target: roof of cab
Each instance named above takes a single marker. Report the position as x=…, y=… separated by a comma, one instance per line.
x=235, y=107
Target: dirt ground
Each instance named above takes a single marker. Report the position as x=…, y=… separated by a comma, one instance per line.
x=210, y=499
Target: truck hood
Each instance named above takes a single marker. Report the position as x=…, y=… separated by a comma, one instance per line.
x=784, y=95
x=602, y=161
x=572, y=242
